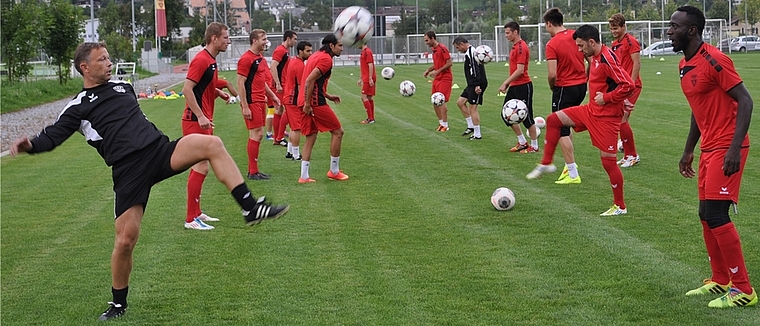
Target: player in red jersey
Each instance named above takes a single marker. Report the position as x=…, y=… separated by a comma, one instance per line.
x=280, y=58
x=367, y=82
x=721, y=110
x=567, y=80
x=627, y=49
x=319, y=117
x=200, y=90
x=293, y=84
x=610, y=85
x=520, y=87
x=442, y=77
x=252, y=73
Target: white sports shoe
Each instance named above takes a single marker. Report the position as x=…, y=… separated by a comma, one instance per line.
x=197, y=224
x=541, y=169
x=205, y=218
x=614, y=210
x=630, y=161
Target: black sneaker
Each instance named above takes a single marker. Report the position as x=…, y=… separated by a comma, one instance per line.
x=264, y=211
x=258, y=176
x=281, y=142
x=468, y=131
x=289, y=155
x=475, y=138
x=297, y=158
x=114, y=310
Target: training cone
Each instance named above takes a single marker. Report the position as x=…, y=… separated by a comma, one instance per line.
x=455, y=86
x=506, y=64
x=662, y=59
x=538, y=63
x=659, y=73
x=501, y=94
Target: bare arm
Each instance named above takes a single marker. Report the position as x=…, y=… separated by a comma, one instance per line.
x=371, y=69
x=230, y=87
x=192, y=103
x=552, y=75
x=244, y=99
x=276, y=75
x=688, y=152
x=636, y=57
x=518, y=72
x=271, y=95
x=732, y=161
x=447, y=65
x=308, y=89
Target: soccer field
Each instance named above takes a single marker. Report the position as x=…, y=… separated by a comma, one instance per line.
x=410, y=239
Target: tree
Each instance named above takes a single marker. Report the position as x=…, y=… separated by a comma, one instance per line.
x=719, y=10
x=264, y=20
x=752, y=8
x=63, y=35
x=439, y=11
x=20, y=38
x=317, y=13
x=198, y=33
x=408, y=25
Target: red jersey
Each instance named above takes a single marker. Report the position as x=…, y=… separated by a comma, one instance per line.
x=292, y=82
x=203, y=72
x=706, y=79
x=366, y=59
x=623, y=50
x=607, y=76
x=256, y=72
x=324, y=62
x=281, y=55
x=519, y=55
x=571, y=69
x=440, y=57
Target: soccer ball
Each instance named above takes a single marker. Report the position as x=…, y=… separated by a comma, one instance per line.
x=354, y=26
x=621, y=149
x=514, y=112
x=540, y=122
x=503, y=199
x=388, y=73
x=538, y=132
x=438, y=99
x=407, y=88
x=483, y=54
x=267, y=45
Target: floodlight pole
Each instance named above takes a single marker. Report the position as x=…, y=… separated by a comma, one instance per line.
x=134, y=38
x=452, y=15
x=500, y=23
x=92, y=20
x=581, y=11
x=417, y=15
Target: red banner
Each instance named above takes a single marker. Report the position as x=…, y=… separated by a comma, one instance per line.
x=160, y=18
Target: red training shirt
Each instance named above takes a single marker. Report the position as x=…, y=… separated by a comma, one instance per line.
x=256, y=72
x=366, y=59
x=706, y=79
x=571, y=69
x=607, y=76
x=292, y=82
x=324, y=62
x=624, y=49
x=440, y=56
x=281, y=55
x=203, y=72
x=520, y=54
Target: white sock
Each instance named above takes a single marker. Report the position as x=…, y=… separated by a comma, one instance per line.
x=572, y=170
x=440, y=122
x=445, y=124
x=305, y=170
x=335, y=164
x=296, y=152
x=534, y=143
x=477, y=131
x=521, y=139
x=469, y=122
x=290, y=148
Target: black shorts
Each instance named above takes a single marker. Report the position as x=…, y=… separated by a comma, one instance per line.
x=134, y=175
x=565, y=97
x=471, y=96
x=522, y=92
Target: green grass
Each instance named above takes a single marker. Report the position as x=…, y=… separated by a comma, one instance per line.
x=411, y=238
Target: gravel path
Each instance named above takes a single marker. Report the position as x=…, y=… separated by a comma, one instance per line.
x=29, y=122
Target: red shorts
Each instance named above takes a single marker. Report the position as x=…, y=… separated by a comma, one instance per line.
x=322, y=119
x=443, y=86
x=368, y=90
x=712, y=184
x=192, y=127
x=633, y=98
x=602, y=131
x=270, y=102
x=295, y=116
x=258, y=115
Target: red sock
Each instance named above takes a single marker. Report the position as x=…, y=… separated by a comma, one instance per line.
x=616, y=179
x=368, y=108
x=626, y=135
x=276, y=126
x=194, y=185
x=253, y=155
x=372, y=110
x=731, y=248
x=281, y=127
x=717, y=264
x=553, y=126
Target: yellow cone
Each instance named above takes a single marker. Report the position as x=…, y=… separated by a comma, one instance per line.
x=501, y=94
x=455, y=86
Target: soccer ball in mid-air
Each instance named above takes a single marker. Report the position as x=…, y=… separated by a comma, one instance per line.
x=388, y=73
x=514, y=112
x=483, y=54
x=354, y=26
x=540, y=122
x=503, y=199
x=407, y=88
x=438, y=99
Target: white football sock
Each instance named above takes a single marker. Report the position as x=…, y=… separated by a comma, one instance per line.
x=521, y=139
x=290, y=148
x=534, y=143
x=335, y=164
x=445, y=124
x=305, y=170
x=477, y=131
x=296, y=152
x=572, y=170
x=469, y=122
x=440, y=122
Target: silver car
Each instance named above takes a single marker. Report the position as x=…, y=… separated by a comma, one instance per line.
x=745, y=43
x=658, y=48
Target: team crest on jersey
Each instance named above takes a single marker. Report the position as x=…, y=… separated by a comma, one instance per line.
x=119, y=89
x=693, y=80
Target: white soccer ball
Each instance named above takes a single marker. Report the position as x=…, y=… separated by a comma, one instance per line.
x=483, y=54
x=540, y=122
x=267, y=45
x=538, y=132
x=388, y=73
x=503, y=199
x=438, y=99
x=354, y=26
x=514, y=111
x=407, y=88
x=621, y=149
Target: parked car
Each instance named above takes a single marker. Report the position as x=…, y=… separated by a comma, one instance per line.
x=757, y=47
x=658, y=48
x=744, y=43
